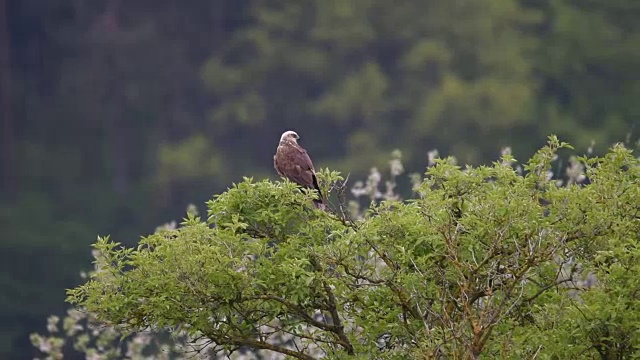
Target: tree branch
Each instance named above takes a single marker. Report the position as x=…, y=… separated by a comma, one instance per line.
x=255, y=344
x=339, y=328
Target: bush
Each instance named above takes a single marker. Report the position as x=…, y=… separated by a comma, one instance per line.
x=484, y=263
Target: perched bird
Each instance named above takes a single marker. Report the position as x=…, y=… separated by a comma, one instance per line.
x=292, y=162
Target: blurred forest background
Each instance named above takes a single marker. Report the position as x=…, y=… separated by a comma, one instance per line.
x=116, y=114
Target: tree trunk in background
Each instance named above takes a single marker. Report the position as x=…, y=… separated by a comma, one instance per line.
x=8, y=180
x=217, y=25
x=116, y=129
x=118, y=143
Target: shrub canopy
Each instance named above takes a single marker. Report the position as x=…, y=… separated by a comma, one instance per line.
x=485, y=262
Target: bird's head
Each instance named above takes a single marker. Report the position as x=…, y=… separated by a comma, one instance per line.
x=289, y=135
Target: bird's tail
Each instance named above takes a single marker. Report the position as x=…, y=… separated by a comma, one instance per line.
x=319, y=204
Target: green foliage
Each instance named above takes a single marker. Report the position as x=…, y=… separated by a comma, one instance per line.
x=486, y=262
x=86, y=335
x=125, y=110
x=83, y=332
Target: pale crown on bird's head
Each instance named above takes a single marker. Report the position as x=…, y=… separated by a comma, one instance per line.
x=289, y=136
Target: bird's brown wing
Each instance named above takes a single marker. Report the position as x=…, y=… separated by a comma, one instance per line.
x=305, y=168
x=275, y=164
x=293, y=162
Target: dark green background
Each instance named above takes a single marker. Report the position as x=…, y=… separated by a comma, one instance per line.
x=116, y=114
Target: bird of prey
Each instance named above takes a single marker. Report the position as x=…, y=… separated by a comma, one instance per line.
x=292, y=162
